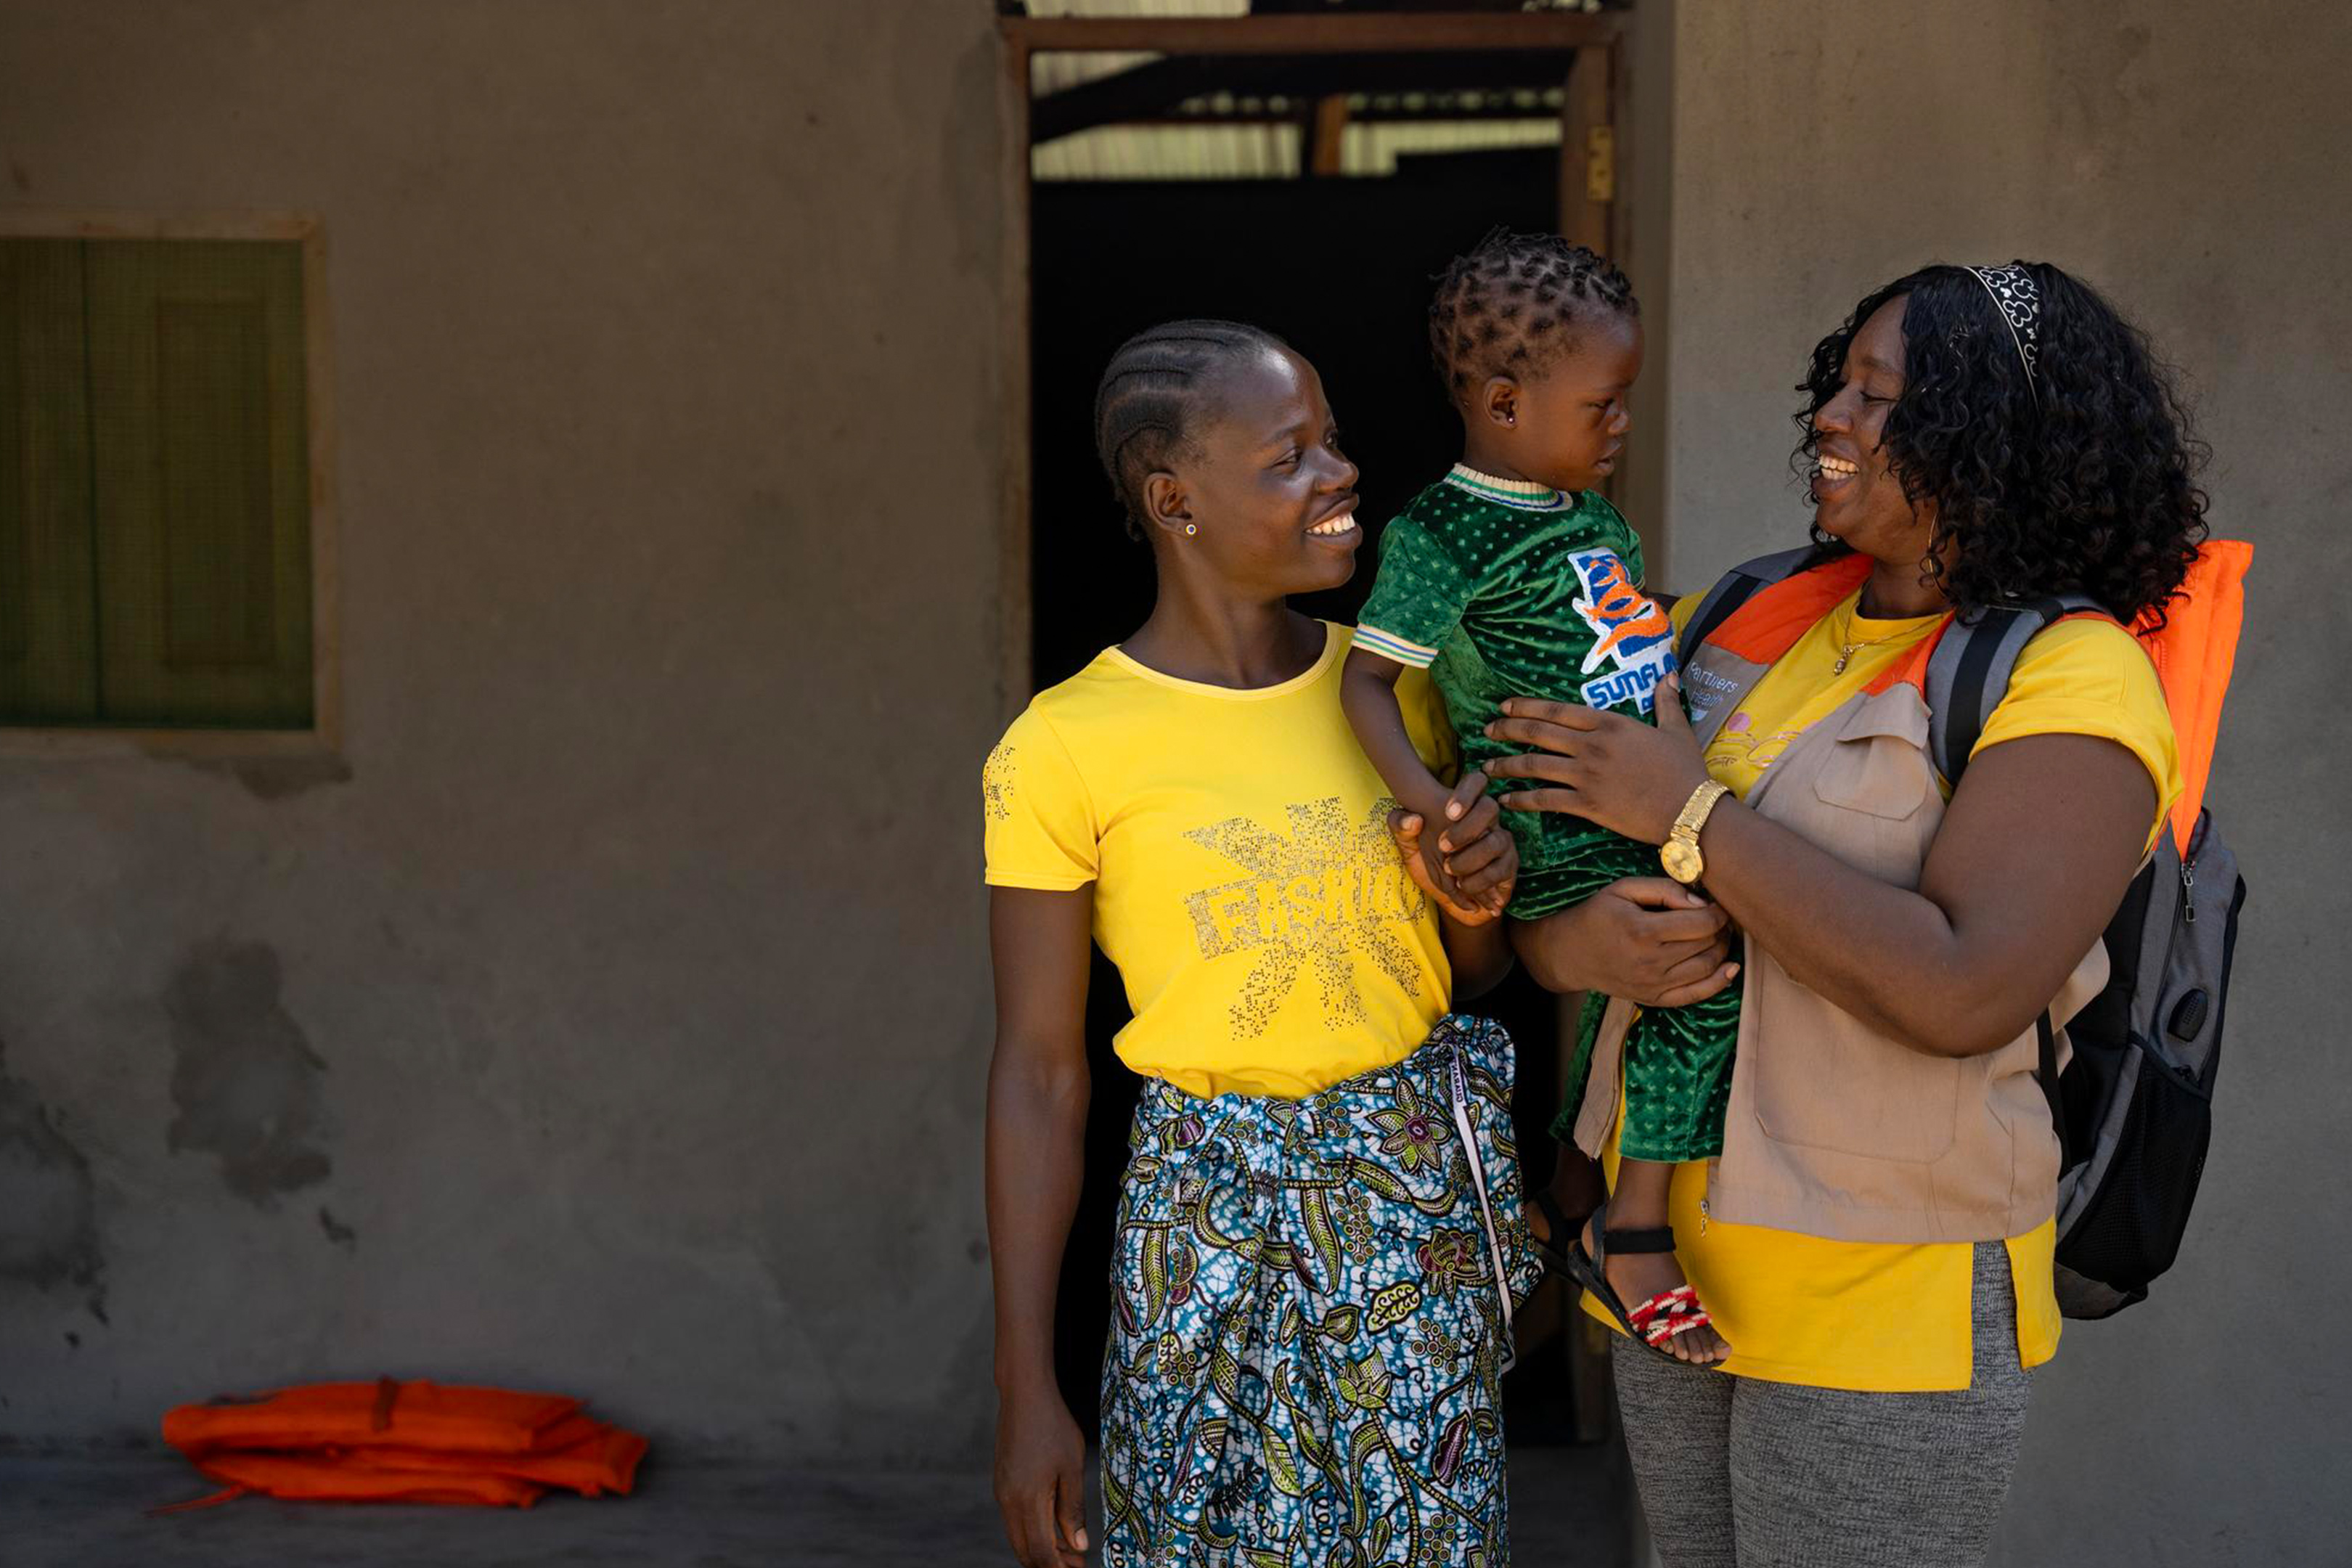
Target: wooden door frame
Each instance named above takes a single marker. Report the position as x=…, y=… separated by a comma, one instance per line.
x=1597, y=89
x=1593, y=211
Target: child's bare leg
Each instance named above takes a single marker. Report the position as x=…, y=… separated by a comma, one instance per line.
x=1638, y=1202
x=1576, y=1185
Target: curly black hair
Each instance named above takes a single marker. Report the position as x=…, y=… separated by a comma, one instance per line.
x=1153, y=394
x=1512, y=307
x=2082, y=481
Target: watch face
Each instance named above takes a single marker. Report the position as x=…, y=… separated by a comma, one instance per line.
x=1682, y=861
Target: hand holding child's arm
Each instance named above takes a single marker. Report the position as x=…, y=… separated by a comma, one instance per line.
x=1472, y=883
x=1485, y=871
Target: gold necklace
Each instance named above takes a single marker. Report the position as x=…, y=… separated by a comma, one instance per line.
x=1847, y=652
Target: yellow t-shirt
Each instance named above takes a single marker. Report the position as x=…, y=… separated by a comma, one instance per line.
x=1873, y=1316
x=1244, y=881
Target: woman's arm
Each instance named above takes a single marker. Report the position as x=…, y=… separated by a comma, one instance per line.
x=1477, y=946
x=2032, y=859
x=2043, y=837
x=1479, y=955
x=1037, y=1091
x=1647, y=939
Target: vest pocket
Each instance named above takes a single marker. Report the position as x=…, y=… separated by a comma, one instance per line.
x=1880, y=775
x=1839, y=1087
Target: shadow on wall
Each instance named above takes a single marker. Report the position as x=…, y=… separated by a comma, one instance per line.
x=48, y=1210
x=245, y=1080
x=244, y=1084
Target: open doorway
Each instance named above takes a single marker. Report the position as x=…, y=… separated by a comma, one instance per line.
x=1309, y=166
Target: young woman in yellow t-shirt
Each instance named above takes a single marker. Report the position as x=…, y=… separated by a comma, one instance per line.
x=1320, y=1240
x=1980, y=435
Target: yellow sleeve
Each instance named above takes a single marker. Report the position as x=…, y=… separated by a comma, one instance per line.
x=1037, y=815
x=2092, y=678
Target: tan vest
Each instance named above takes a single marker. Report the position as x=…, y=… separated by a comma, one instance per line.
x=1833, y=1129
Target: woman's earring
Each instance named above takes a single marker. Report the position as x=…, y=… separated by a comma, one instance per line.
x=1190, y=528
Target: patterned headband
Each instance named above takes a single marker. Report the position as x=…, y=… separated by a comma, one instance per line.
x=2018, y=299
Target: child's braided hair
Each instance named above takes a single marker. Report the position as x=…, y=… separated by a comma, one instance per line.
x=1512, y=306
x=1153, y=394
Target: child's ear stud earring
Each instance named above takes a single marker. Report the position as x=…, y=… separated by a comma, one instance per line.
x=1190, y=528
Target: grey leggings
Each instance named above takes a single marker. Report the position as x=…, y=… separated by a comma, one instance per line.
x=1740, y=1473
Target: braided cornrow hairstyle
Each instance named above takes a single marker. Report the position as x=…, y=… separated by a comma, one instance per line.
x=1154, y=393
x=1513, y=304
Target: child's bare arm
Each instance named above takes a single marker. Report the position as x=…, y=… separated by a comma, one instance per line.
x=1368, y=696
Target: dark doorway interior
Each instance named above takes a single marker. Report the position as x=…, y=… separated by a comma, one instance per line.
x=1342, y=268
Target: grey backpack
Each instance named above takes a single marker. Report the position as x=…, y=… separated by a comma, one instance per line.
x=2134, y=1107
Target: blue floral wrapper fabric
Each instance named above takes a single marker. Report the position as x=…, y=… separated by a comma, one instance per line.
x=1307, y=1329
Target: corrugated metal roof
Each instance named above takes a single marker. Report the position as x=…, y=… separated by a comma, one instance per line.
x=1268, y=151
x=1265, y=137
x=1139, y=7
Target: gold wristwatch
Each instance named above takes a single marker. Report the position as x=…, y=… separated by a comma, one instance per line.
x=1680, y=852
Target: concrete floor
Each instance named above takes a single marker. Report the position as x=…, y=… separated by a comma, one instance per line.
x=1567, y=1510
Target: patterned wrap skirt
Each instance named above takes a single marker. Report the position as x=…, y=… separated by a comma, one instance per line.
x=1312, y=1308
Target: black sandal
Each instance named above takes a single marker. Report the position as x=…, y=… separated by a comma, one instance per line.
x=1657, y=1319
x=1554, y=1258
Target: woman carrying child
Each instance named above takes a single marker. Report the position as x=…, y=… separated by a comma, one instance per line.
x=1875, y=1237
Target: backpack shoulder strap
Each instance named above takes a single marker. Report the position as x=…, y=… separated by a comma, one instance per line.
x=2045, y=1073
x=1733, y=589
x=1968, y=674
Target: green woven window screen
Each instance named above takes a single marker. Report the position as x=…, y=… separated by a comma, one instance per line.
x=154, y=485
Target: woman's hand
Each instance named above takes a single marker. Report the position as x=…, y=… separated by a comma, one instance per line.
x=1646, y=939
x=1614, y=771
x=1039, y=1487
x=1477, y=860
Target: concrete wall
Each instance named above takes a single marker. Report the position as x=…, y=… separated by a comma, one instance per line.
x=2189, y=161
x=1645, y=156
x=618, y=1024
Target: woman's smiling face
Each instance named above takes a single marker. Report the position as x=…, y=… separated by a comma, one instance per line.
x=1856, y=499
x=1272, y=495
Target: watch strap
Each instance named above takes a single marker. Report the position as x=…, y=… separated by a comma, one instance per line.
x=1698, y=808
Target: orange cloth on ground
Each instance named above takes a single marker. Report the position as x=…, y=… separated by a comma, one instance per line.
x=414, y=1442
x=347, y=1478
